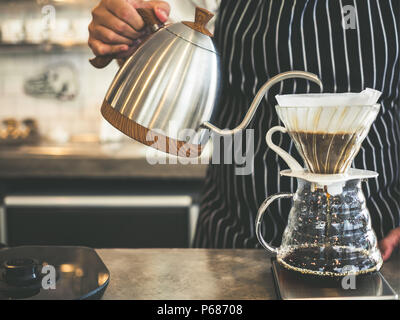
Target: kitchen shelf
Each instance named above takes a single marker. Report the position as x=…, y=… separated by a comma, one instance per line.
x=42, y=48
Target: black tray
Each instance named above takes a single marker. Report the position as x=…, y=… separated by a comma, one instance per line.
x=80, y=273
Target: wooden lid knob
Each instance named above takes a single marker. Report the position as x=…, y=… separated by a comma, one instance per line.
x=203, y=16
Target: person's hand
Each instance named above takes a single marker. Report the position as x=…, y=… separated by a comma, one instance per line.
x=116, y=27
x=389, y=243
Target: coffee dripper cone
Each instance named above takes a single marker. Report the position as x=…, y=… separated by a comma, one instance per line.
x=328, y=137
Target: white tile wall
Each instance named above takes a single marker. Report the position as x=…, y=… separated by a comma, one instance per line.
x=81, y=115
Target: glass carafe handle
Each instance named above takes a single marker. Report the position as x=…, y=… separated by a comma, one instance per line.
x=260, y=216
x=291, y=162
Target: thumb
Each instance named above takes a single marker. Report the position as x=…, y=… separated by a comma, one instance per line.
x=386, y=249
x=161, y=9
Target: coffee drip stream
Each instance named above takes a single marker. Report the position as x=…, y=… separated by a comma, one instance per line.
x=329, y=231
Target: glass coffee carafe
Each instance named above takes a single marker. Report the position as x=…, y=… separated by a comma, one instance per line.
x=329, y=229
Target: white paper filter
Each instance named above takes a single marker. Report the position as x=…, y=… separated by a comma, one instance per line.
x=328, y=112
x=364, y=98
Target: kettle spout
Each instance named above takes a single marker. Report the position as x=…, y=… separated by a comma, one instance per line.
x=259, y=96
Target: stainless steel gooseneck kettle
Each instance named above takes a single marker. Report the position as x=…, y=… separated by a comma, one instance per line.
x=168, y=89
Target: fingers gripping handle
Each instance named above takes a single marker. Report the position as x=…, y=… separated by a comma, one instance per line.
x=260, y=215
x=150, y=20
x=291, y=162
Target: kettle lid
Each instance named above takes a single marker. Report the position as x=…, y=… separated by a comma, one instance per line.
x=195, y=32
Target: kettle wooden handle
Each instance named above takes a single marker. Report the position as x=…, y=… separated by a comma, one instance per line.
x=202, y=17
x=150, y=20
x=149, y=17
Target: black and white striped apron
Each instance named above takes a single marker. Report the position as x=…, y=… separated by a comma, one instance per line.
x=258, y=39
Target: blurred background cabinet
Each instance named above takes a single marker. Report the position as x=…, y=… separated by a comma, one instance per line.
x=100, y=213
